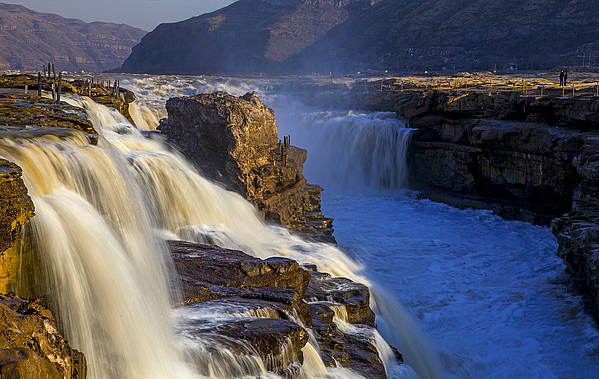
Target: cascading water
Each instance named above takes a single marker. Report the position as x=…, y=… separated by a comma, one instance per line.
x=101, y=213
x=350, y=151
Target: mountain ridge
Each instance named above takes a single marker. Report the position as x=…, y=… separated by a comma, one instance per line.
x=30, y=39
x=304, y=36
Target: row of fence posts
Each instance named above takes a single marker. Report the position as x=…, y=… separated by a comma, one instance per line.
x=49, y=75
x=283, y=147
x=113, y=86
x=525, y=87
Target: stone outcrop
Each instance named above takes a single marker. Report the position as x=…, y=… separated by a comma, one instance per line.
x=29, y=39
x=577, y=232
x=31, y=346
x=520, y=170
x=16, y=208
x=233, y=140
x=275, y=293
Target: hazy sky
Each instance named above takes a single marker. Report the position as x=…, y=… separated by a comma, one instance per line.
x=144, y=14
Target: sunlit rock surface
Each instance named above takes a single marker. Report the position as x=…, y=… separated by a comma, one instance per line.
x=30, y=344
x=16, y=207
x=234, y=141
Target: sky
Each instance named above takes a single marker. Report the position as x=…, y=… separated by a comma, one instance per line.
x=144, y=14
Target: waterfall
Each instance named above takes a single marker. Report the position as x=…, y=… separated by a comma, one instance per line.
x=100, y=214
x=350, y=151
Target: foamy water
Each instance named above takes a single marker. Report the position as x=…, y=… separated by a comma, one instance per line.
x=491, y=294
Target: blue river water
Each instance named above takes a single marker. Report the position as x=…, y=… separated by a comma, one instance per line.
x=490, y=294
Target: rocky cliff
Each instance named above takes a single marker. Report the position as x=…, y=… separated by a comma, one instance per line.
x=234, y=141
x=416, y=35
x=356, y=35
x=29, y=40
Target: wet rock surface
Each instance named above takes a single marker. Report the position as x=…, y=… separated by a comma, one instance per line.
x=31, y=111
x=234, y=141
x=30, y=344
x=271, y=296
x=103, y=92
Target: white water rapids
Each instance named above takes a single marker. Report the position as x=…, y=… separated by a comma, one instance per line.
x=101, y=215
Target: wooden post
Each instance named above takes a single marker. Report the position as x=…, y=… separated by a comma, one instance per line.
x=26, y=89
x=89, y=88
x=39, y=84
x=572, y=90
x=53, y=92
x=53, y=72
x=49, y=67
x=59, y=87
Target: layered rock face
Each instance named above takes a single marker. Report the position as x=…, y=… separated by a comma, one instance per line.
x=29, y=40
x=31, y=346
x=520, y=170
x=272, y=295
x=234, y=141
x=577, y=232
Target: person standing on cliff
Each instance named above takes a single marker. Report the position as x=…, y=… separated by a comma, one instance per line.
x=561, y=78
x=565, y=78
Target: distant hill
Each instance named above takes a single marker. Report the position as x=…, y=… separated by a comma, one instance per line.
x=467, y=34
x=246, y=37
x=288, y=36
x=30, y=39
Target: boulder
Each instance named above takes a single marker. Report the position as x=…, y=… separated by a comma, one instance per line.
x=232, y=268
x=30, y=344
x=353, y=297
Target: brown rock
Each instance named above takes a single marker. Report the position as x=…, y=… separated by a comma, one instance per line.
x=31, y=346
x=354, y=297
x=233, y=140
